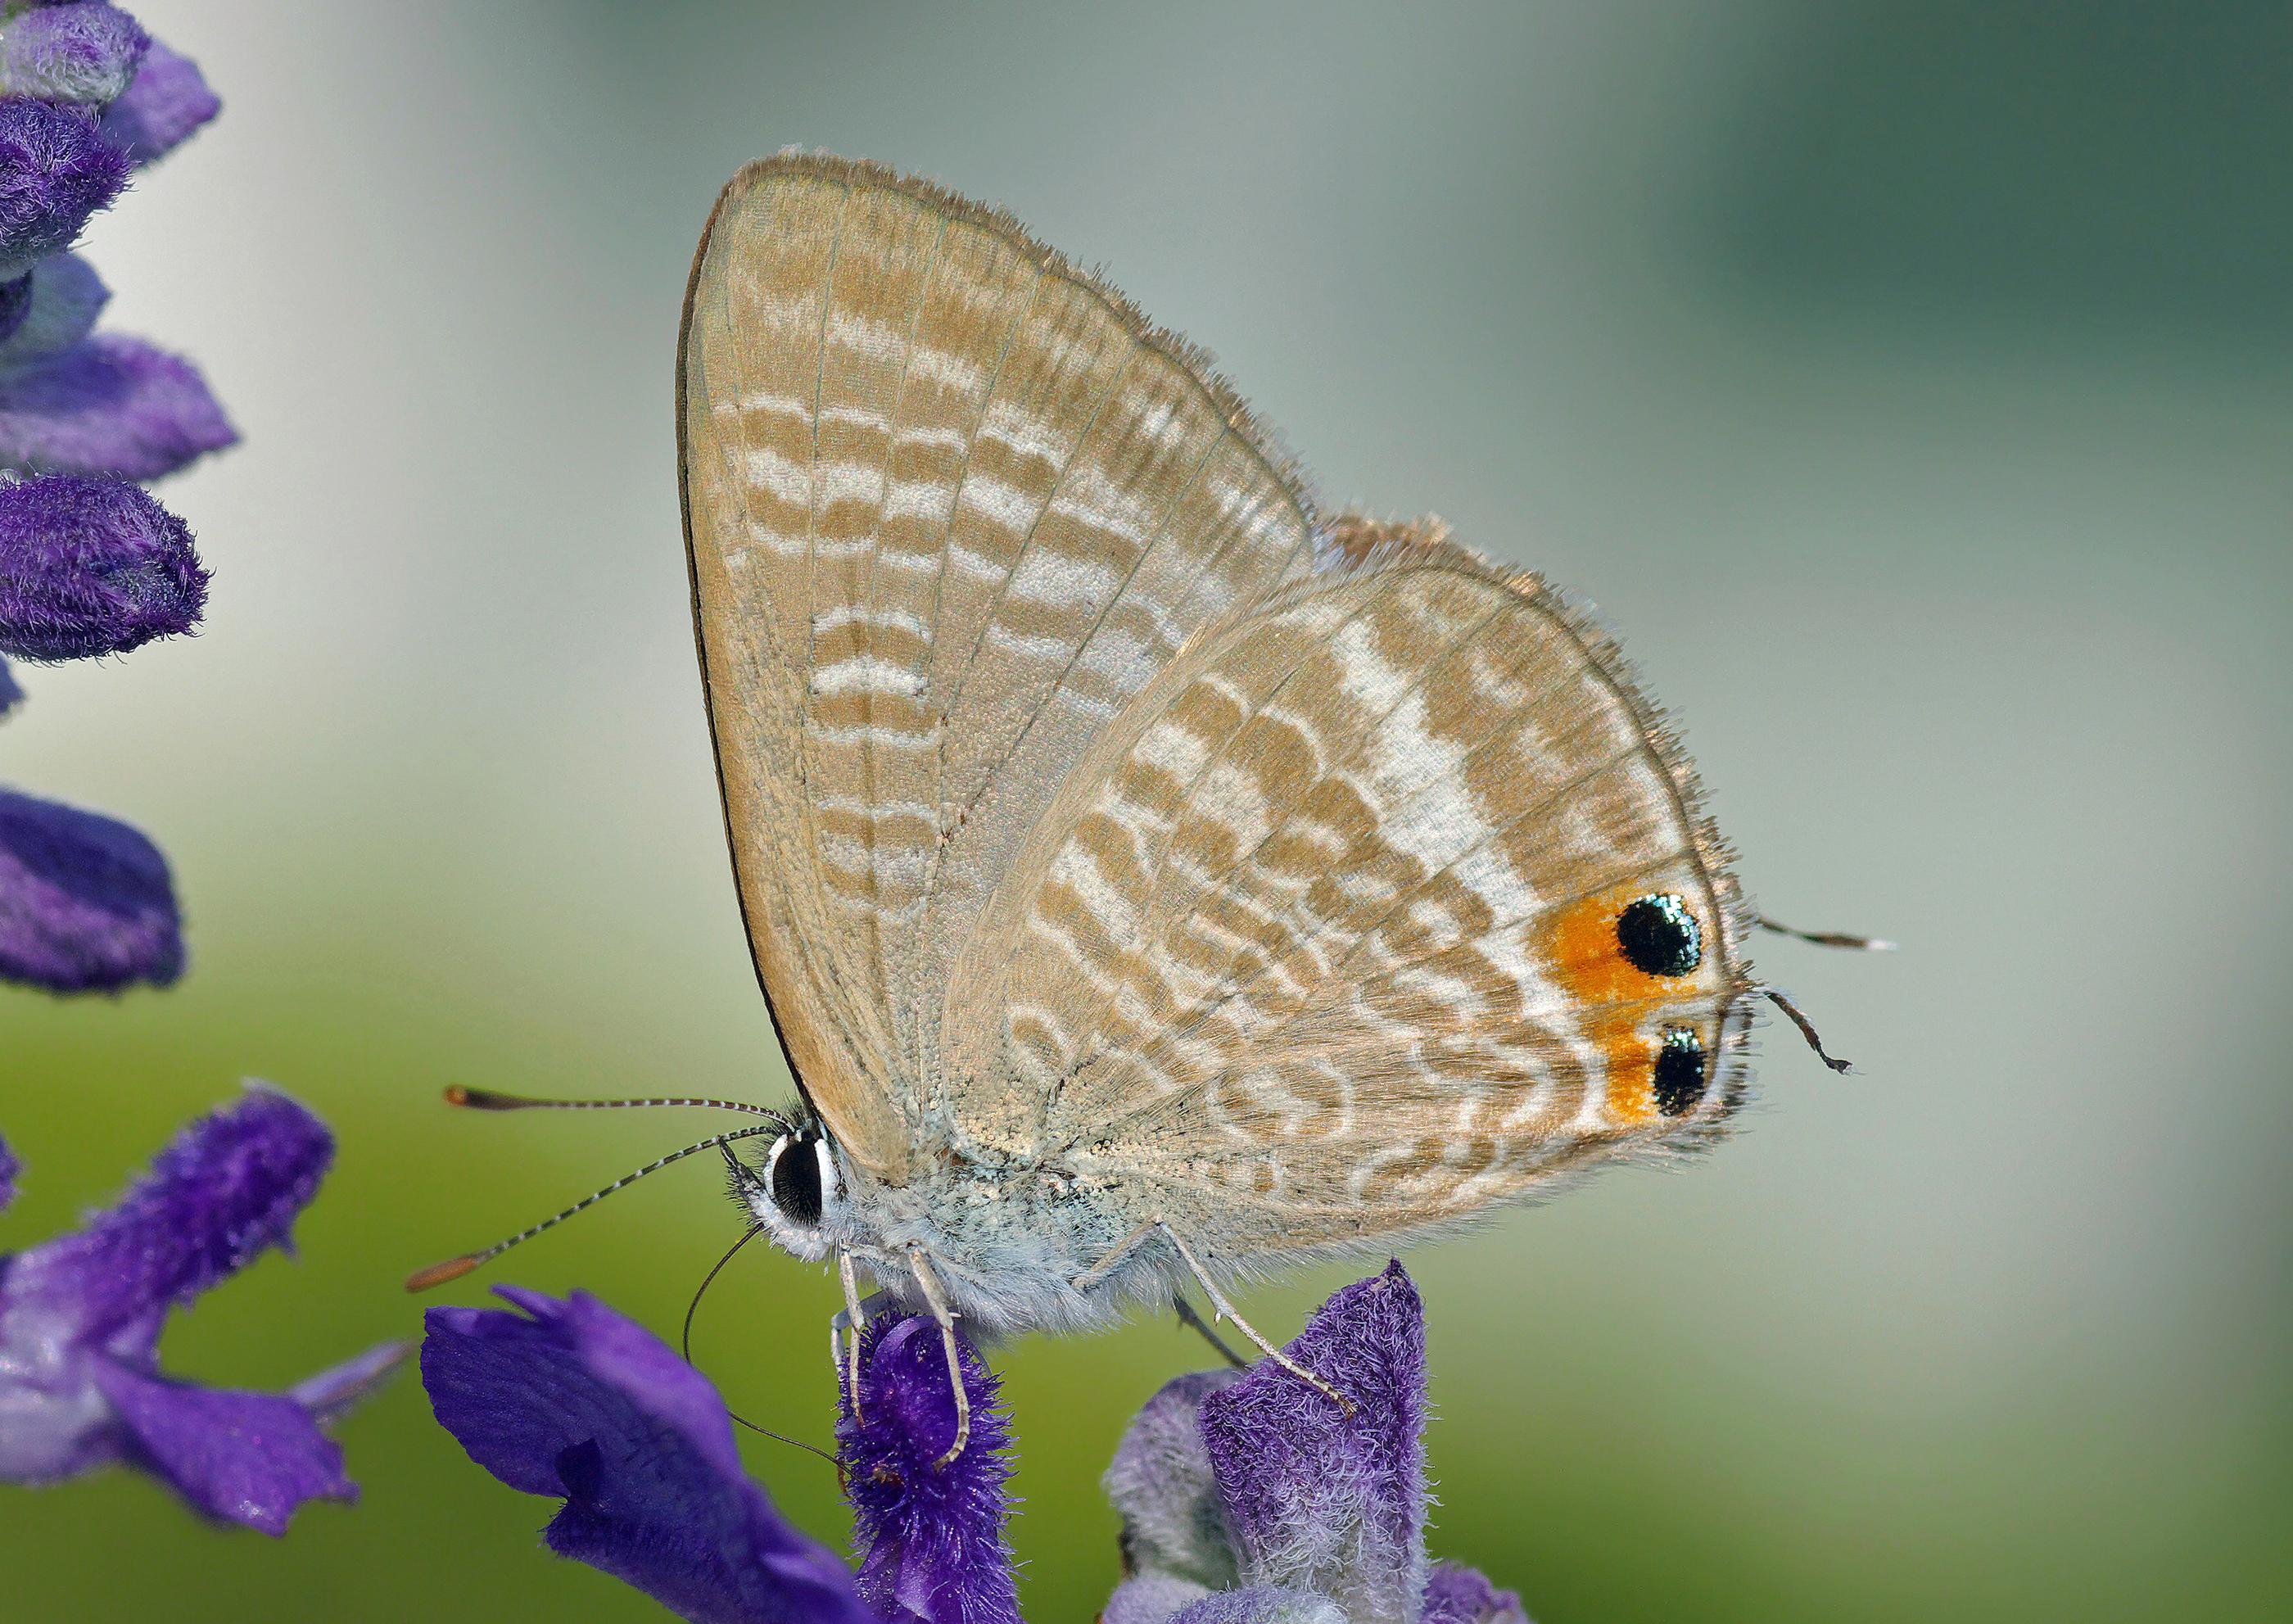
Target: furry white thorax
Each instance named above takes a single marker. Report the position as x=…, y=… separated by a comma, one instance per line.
x=1007, y=1241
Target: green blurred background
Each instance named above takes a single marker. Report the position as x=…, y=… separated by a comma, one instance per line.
x=1910, y=384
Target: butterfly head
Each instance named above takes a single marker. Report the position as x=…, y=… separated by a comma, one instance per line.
x=798, y=1194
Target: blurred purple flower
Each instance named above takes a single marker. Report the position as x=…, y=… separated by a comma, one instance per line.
x=9, y=1168
x=85, y=53
x=86, y=903
x=48, y=309
x=931, y=1536
x=80, y=1318
x=92, y=566
x=56, y=169
x=110, y=405
x=89, y=564
x=1250, y=1499
x=571, y=1400
x=163, y=108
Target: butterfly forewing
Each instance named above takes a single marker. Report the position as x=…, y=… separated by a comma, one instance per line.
x=949, y=505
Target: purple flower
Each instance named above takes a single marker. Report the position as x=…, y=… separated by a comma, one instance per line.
x=86, y=903
x=163, y=108
x=932, y=1534
x=573, y=1401
x=110, y=405
x=1250, y=1499
x=9, y=1168
x=80, y=1318
x=56, y=169
x=92, y=566
x=48, y=309
x=8, y=693
x=85, y=53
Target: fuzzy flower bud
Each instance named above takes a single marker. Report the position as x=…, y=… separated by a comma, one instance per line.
x=49, y=310
x=92, y=566
x=85, y=53
x=86, y=903
x=162, y=108
x=56, y=169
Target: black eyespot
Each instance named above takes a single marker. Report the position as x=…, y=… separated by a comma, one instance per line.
x=1660, y=936
x=1679, y=1072
x=795, y=1178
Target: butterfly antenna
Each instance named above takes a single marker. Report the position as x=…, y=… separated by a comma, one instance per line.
x=684, y=1345
x=492, y=1099
x=1806, y=1028
x=455, y=1268
x=1829, y=938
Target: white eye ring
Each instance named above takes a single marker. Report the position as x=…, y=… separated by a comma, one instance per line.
x=830, y=1185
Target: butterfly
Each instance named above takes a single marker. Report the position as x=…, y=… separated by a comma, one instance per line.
x=1155, y=880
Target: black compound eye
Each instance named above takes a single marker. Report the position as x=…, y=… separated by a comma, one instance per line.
x=1679, y=1072
x=1660, y=936
x=795, y=1176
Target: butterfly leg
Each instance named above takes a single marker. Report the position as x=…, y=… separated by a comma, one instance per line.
x=1226, y=1310
x=1115, y=1259
x=1201, y=1326
x=935, y=1299
x=854, y=1319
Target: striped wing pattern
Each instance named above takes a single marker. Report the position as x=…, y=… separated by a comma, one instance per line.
x=950, y=506
x=1095, y=806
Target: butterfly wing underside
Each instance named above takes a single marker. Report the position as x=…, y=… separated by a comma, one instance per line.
x=1323, y=942
x=949, y=505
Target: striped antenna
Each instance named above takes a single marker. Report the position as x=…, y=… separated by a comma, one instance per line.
x=455, y=1268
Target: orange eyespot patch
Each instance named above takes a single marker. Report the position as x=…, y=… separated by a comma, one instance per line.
x=1628, y=948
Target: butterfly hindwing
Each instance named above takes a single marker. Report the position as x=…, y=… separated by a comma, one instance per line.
x=1328, y=938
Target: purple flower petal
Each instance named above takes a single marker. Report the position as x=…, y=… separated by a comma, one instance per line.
x=78, y=1317
x=109, y=405
x=11, y=696
x=931, y=1535
x=56, y=169
x=228, y=1186
x=1160, y=1485
x=1458, y=1595
x=331, y=1395
x=9, y=1168
x=92, y=566
x=48, y=309
x=246, y=1457
x=166, y=104
x=573, y=1400
x=1319, y=1499
x=85, y=902
x=85, y=53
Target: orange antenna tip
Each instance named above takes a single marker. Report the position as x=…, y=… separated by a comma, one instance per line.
x=438, y=1274
x=456, y=1094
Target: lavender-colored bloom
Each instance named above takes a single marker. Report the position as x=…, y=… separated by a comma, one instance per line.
x=9, y=1168
x=47, y=309
x=56, y=169
x=571, y=1400
x=80, y=1318
x=110, y=405
x=92, y=566
x=9, y=694
x=85, y=53
x=163, y=108
x=931, y=1536
x=1253, y=1499
x=86, y=903
x=1456, y=1593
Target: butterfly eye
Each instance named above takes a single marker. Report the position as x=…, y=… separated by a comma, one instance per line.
x=1660, y=936
x=1679, y=1071
x=794, y=1175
